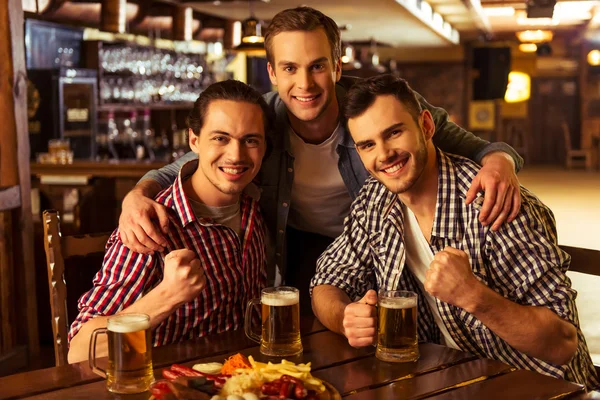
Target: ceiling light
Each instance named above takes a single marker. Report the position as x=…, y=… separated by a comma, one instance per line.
x=574, y=10
x=252, y=31
x=499, y=11
x=538, y=21
x=252, y=38
x=538, y=36
x=528, y=47
x=593, y=58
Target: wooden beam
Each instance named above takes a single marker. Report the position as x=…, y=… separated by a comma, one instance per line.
x=7, y=309
x=22, y=229
x=10, y=198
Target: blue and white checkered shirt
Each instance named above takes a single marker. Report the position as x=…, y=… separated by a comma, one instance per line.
x=521, y=261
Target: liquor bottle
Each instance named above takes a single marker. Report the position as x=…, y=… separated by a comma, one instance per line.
x=147, y=133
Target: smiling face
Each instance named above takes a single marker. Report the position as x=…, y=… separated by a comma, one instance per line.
x=230, y=148
x=391, y=144
x=305, y=74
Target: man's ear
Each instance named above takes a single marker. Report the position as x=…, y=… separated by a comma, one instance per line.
x=427, y=124
x=272, y=76
x=338, y=69
x=193, y=140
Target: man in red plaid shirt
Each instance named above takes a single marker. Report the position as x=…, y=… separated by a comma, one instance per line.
x=215, y=260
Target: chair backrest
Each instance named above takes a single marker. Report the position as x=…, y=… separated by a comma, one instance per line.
x=567, y=136
x=72, y=260
x=587, y=261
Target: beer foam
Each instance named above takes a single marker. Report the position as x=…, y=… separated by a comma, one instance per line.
x=398, y=302
x=125, y=323
x=280, y=299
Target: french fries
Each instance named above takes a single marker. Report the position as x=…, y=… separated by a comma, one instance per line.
x=272, y=371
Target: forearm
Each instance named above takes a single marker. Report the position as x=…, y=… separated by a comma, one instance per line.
x=536, y=331
x=153, y=304
x=166, y=175
x=328, y=303
x=148, y=188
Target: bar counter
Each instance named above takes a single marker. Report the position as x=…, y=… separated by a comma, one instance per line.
x=104, y=169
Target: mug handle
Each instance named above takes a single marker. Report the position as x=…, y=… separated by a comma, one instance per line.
x=248, y=321
x=92, y=352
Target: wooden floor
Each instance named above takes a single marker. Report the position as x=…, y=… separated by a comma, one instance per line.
x=574, y=197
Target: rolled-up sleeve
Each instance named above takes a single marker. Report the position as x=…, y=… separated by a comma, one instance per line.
x=530, y=266
x=123, y=279
x=347, y=263
x=166, y=175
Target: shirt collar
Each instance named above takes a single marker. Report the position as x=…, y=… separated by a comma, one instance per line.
x=181, y=203
x=448, y=209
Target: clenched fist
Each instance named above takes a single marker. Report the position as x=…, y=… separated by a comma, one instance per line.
x=360, y=321
x=183, y=278
x=450, y=278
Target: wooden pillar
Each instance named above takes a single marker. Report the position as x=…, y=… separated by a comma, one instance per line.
x=114, y=16
x=182, y=23
x=17, y=289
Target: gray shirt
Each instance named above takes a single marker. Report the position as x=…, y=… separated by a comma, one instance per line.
x=277, y=173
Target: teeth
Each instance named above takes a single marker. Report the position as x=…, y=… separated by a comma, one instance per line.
x=306, y=99
x=233, y=171
x=394, y=168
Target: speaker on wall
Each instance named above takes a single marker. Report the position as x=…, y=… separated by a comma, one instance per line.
x=492, y=65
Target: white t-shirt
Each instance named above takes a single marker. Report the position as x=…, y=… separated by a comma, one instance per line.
x=229, y=216
x=418, y=258
x=320, y=199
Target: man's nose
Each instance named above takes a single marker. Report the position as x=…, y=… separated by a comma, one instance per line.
x=305, y=80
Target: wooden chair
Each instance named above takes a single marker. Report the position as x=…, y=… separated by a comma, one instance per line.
x=583, y=157
x=72, y=262
x=585, y=261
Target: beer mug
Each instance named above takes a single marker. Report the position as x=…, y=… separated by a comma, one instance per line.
x=397, y=326
x=280, y=308
x=129, y=353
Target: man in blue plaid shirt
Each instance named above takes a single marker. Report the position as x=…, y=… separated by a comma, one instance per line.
x=498, y=294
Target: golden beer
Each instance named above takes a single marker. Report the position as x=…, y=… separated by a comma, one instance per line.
x=397, y=327
x=280, y=310
x=129, y=353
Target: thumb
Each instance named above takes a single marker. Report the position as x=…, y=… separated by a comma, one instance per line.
x=473, y=190
x=369, y=298
x=163, y=217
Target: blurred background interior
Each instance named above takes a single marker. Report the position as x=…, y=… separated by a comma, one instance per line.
x=109, y=84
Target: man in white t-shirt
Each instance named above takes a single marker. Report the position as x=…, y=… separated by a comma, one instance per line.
x=499, y=294
x=313, y=172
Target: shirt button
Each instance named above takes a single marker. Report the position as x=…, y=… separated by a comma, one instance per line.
x=284, y=204
x=290, y=169
x=278, y=254
x=281, y=231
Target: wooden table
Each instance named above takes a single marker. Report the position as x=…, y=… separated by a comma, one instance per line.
x=440, y=373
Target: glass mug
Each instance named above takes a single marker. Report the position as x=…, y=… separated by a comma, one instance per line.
x=397, y=326
x=280, y=308
x=129, y=353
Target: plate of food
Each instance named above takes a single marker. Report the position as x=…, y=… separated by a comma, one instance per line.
x=242, y=378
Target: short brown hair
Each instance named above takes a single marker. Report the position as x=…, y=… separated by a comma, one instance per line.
x=304, y=19
x=225, y=90
x=363, y=94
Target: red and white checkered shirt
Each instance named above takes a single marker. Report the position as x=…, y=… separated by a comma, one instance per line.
x=235, y=268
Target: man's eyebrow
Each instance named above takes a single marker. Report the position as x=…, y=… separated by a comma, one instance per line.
x=392, y=128
x=385, y=132
x=291, y=63
x=246, y=136
x=363, y=142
